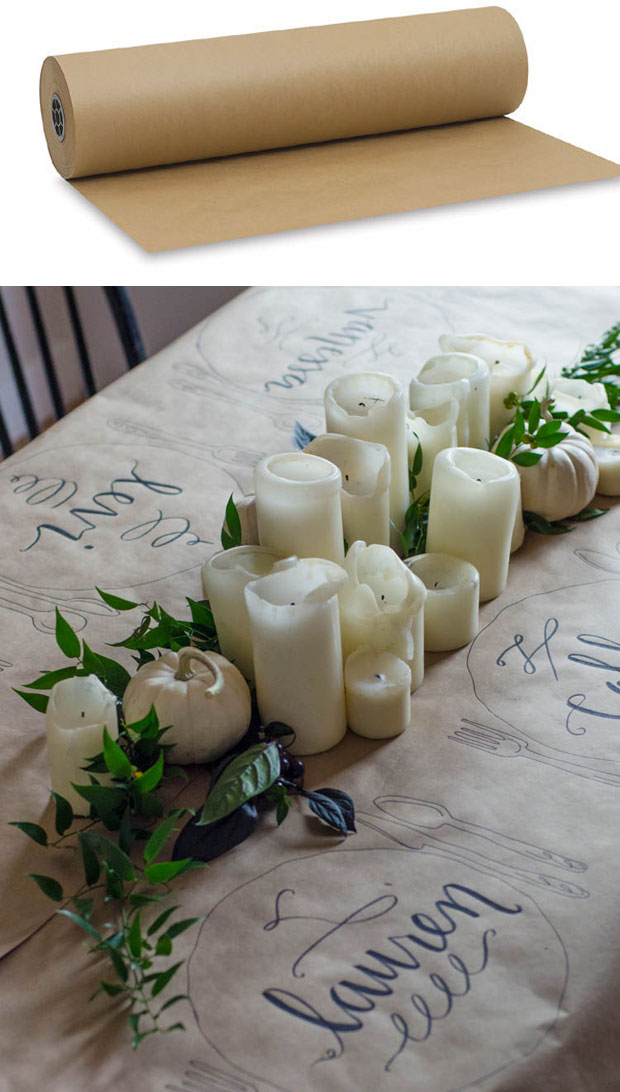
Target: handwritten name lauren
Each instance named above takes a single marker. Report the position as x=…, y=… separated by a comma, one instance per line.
x=351, y=1001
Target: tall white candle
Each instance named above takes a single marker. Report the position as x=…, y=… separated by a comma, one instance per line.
x=298, y=505
x=295, y=631
x=224, y=577
x=371, y=406
x=377, y=687
x=382, y=605
x=77, y=712
x=452, y=598
x=474, y=499
x=365, y=472
x=435, y=429
x=466, y=378
x=510, y=363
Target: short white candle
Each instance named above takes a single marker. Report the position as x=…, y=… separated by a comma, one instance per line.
x=365, y=472
x=295, y=631
x=298, y=505
x=224, y=577
x=377, y=687
x=435, y=429
x=572, y=395
x=77, y=712
x=466, y=378
x=474, y=499
x=452, y=598
x=371, y=406
x=510, y=363
x=382, y=605
x=608, y=460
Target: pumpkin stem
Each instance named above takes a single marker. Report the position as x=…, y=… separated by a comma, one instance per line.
x=184, y=671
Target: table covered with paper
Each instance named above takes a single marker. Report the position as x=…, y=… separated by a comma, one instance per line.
x=467, y=934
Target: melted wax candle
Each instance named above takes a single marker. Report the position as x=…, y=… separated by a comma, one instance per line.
x=377, y=687
x=461, y=376
x=365, y=497
x=77, y=712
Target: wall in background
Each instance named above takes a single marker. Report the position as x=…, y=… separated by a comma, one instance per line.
x=162, y=315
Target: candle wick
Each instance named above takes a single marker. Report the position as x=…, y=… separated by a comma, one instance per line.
x=346, y=477
x=383, y=597
x=381, y=678
x=436, y=584
x=362, y=404
x=478, y=479
x=81, y=714
x=292, y=604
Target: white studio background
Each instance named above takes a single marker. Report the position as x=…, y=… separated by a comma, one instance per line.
x=563, y=236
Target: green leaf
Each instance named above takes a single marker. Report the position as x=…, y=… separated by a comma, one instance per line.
x=112, y=854
x=117, y=961
x=83, y=924
x=66, y=638
x=231, y=529
x=107, y=800
x=201, y=613
x=550, y=427
x=534, y=416
x=589, y=513
x=526, y=458
x=32, y=830
x=64, y=813
x=90, y=861
x=179, y=927
x=111, y=988
x=159, y=838
x=551, y=440
x=162, y=871
x=49, y=886
x=606, y=414
x=49, y=678
x=505, y=444
x=534, y=522
x=161, y=920
x=37, y=701
x=248, y=775
x=116, y=602
x=334, y=807
x=147, y=727
x=162, y=980
x=115, y=758
x=173, y=1001
x=112, y=674
x=151, y=777
x=163, y=946
x=134, y=937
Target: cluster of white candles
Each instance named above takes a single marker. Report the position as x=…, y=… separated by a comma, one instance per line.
x=317, y=609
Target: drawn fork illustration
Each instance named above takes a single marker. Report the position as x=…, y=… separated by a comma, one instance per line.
x=512, y=744
x=200, y=1077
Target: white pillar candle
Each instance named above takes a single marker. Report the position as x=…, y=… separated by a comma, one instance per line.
x=382, y=605
x=377, y=688
x=365, y=472
x=571, y=395
x=474, y=499
x=435, y=429
x=77, y=712
x=466, y=378
x=608, y=461
x=510, y=363
x=452, y=598
x=298, y=505
x=371, y=406
x=224, y=577
x=295, y=631
x=518, y=531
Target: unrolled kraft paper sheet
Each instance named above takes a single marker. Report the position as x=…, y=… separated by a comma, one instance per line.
x=196, y=142
x=476, y=910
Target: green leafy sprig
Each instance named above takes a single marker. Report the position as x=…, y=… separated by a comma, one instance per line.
x=412, y=537
x=231, y=534
x=120, y=885
x=600, y=363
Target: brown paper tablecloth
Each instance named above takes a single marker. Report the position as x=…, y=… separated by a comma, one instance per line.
x=467, y=936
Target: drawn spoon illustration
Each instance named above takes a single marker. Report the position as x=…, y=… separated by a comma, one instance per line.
x=433, y=816
x=39, y=605
x=225, y=454
x=407, y=836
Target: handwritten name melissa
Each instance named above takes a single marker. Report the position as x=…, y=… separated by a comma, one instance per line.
x=351, y=1001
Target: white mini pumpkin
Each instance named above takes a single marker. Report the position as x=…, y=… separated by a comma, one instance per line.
x=201, y=695
x=563, y=481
